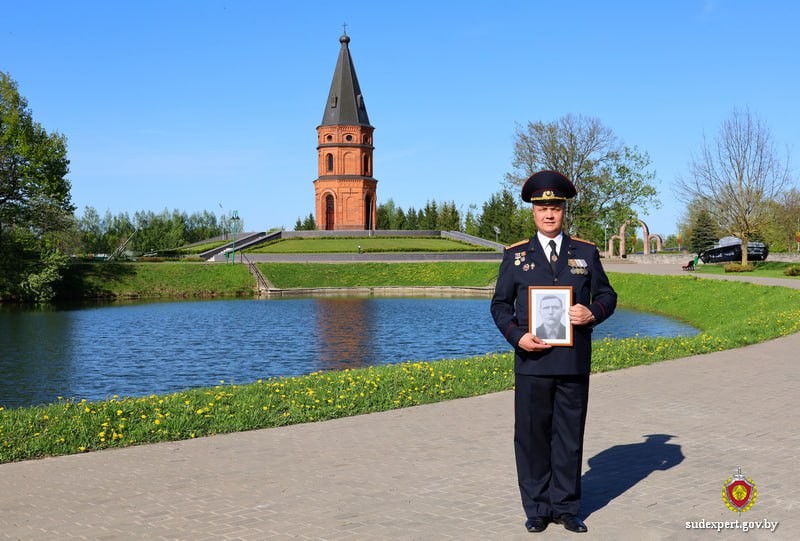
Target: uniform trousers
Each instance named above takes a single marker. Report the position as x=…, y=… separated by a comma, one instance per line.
x=549, y=421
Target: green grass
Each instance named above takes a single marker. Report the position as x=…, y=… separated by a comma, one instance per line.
x=188, y=280
x=765, y=269
x=292, y=275
x=155, y=280
x=730, y=314
x=368, y=244
x=200, y=248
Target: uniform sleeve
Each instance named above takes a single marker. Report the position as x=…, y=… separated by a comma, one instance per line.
x=504, y=300
x=604, y=298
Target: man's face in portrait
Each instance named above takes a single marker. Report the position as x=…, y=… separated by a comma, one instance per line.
x=548, y=218
x=551, y=310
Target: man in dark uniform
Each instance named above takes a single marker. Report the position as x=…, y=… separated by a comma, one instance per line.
x=551, y=382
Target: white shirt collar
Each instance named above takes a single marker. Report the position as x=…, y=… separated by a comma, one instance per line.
x=544, y=241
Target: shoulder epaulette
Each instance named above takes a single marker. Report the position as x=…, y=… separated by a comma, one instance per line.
x=520, y=243
x=583, y=241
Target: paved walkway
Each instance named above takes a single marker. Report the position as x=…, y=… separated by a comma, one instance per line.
x=661, y=440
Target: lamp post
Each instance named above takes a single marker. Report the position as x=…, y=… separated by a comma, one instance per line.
x=234, y=222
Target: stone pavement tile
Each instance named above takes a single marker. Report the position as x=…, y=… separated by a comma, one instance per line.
x=720, y=410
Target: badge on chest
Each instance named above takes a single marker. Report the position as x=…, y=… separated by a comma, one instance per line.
x=519, y=261
x=578, y=266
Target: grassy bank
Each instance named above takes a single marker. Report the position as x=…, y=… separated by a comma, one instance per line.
x=155, y=280
x=290, y=275
x=765, y=269
x=202, y=280
x=367, y=244
x=731, y=314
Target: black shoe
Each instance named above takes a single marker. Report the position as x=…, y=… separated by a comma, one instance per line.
x=537, y=524
x=571, y=523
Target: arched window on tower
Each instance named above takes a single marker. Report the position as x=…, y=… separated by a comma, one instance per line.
x=366, y=172
x=329, y=163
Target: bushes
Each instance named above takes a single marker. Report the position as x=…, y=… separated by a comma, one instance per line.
x=738, y=267
x=793, y=270
x=790, y=270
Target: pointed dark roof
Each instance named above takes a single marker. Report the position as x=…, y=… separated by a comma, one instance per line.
x=345, y=104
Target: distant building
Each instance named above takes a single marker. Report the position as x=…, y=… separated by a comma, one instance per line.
x=345, y=190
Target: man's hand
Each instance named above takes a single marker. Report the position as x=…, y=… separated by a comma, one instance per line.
x=529, y=342
x=580, y=315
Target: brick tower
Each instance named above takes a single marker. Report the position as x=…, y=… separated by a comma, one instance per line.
x=345, y=189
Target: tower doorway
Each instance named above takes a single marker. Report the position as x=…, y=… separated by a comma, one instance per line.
x=368, y=213
x=329, y=214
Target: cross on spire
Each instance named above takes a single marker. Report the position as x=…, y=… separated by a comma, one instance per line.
x=344, y=27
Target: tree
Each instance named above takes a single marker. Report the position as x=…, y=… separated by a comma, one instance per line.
x=92, y=231
x=412, y=219
x=429, y=216
x=35, y=203
x=449, y=217
x=382, y=215
x=201, y=226
x=702, y=233
x=400, y=220
x=735, y=176
x=471, y=220
x=782, y=231
x=512, y=220
x=672, y=241
x=308, y=224
x=432, y=217
x=389, y=216
x=611, y=179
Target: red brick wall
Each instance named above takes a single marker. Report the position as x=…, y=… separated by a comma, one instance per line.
x=349, y=183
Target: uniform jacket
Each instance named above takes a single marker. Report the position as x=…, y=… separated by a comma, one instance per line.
x=525, y=264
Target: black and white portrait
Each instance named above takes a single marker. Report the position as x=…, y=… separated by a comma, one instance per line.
x=549, y=317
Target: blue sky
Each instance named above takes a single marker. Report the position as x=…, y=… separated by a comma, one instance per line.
x=199, y=105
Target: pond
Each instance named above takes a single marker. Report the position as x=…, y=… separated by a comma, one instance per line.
x=136, y=349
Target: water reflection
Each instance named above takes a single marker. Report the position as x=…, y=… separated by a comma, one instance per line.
x=141, y=348
x=29, y=340
x=345, y=331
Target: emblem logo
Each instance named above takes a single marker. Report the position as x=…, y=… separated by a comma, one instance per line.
x=739, y=492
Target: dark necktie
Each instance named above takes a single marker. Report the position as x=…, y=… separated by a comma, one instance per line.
x=553, y=255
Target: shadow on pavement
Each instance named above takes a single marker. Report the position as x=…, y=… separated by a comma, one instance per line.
x=619, y=468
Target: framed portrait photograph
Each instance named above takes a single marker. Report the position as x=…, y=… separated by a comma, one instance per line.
x=549, y=314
